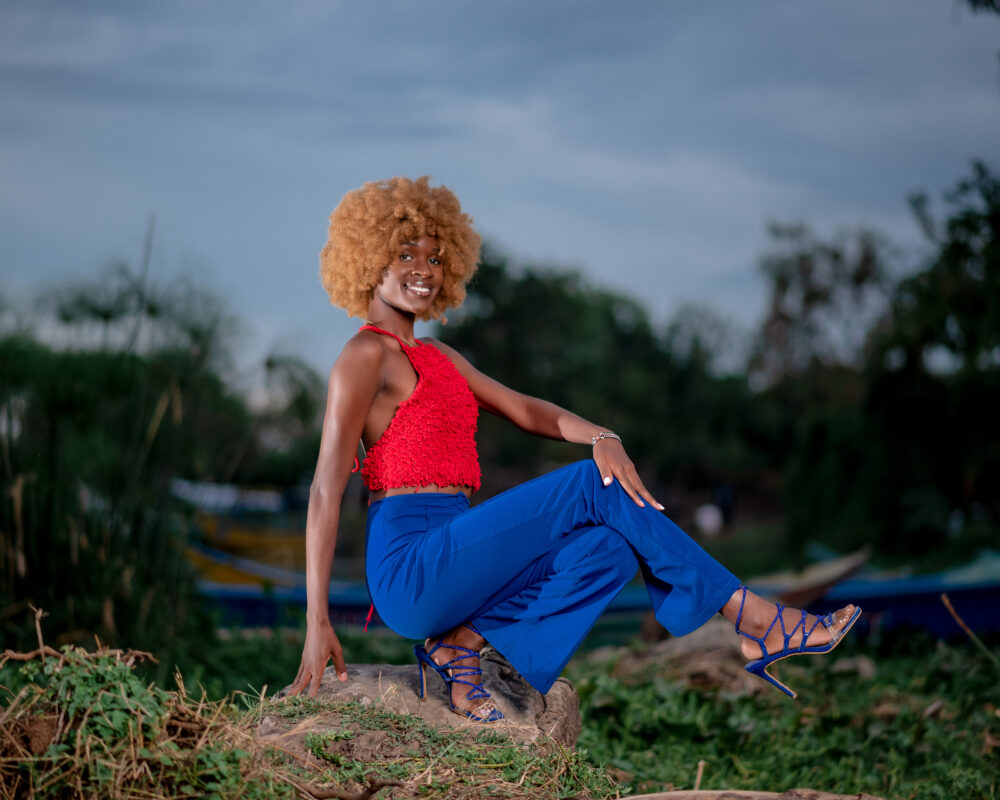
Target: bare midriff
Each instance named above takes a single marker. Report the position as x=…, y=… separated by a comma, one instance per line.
x=430, y=488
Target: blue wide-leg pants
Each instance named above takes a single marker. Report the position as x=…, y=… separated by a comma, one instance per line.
x=533, y=568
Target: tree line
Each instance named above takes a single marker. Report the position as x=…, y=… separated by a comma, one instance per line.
x=866, y=402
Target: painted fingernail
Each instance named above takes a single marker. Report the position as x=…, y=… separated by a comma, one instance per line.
x=661, y=506
x=607, y=481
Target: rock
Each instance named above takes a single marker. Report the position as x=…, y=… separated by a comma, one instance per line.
x=528, y=713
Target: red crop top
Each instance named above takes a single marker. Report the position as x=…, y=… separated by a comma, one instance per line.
x=432, y=437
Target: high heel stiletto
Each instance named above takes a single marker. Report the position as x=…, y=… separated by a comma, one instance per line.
x=457, y=675
x=759, y=667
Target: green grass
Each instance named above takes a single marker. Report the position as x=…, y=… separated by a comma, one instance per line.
x=446, y=762
x=86, y=725
x=926, y=726
x=81, y=724
x=844, y=733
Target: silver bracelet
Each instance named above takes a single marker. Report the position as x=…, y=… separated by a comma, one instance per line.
x=604, y=435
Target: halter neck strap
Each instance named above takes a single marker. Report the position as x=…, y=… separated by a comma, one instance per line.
x=377, y=329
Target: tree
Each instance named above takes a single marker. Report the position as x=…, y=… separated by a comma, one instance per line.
x=546, y=332
x=900, y=445
x=824, y=296
x=953, y=303
x=91, y=438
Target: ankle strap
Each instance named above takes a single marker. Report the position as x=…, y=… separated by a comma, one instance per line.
x=739, y=617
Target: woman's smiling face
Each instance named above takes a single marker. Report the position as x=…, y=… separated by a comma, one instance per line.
x=413, y=280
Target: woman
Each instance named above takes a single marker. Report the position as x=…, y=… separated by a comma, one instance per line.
x=528, y=571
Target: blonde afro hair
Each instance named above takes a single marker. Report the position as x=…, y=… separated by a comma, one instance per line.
x=368, y=227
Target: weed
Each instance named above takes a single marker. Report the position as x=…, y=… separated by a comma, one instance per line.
x=924, y=727
x=84, y=724
x=366, y=742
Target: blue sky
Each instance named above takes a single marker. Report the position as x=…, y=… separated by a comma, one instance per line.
x=644, y=143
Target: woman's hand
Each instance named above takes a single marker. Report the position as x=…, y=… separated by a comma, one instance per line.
x=321, y=645
x=613, y=462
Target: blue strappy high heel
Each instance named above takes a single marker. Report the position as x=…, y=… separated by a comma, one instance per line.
x=759, y=667
x=458, y=674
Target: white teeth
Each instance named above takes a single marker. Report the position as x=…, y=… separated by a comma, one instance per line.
x=419, y=288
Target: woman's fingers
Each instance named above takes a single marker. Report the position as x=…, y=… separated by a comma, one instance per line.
x=642, y=491
x=624, y=470
x=648, y=495
x=338, y=661
x=314, y=684
x=629, y=487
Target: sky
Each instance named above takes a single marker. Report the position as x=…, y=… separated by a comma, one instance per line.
x=645, y=144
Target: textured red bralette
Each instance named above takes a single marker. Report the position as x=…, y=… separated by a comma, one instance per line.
x=432, y=437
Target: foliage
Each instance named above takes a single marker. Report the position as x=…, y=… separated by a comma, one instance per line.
x=984, y=5
x=288, y=424
x=548, y=333
x=899, y=446
x=436, y=761
x=954, y=302
x=93, y=432
x=91, y=437
x=91, y=441
x=926, y=726
x=84, y=725
x=824, y=295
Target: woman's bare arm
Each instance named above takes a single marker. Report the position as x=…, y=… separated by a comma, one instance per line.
x=542, y=418
x=354, y=381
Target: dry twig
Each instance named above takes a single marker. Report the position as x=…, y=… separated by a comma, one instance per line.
x=975, y=639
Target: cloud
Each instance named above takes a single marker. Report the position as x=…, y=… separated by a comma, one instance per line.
x=644, y=142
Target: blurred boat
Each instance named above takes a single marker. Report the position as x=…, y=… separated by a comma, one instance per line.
x=255, y=575
x=889, y=599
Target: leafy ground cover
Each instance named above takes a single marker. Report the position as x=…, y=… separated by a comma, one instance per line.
x=364, y=745
x=925, y=725
x=79, y=724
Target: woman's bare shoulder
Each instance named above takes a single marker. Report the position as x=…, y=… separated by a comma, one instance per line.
x=364, y=350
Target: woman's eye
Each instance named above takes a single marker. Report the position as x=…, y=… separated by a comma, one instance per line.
x=434, y=260
x=405, y=257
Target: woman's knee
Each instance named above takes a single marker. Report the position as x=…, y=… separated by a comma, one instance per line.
x=610, y=552
x=585, y=470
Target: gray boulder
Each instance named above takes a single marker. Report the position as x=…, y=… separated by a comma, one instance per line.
x=528, y=713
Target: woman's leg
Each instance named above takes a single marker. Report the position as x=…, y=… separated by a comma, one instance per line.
x=686, y=586
x=458, y=564
x=562, y=595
